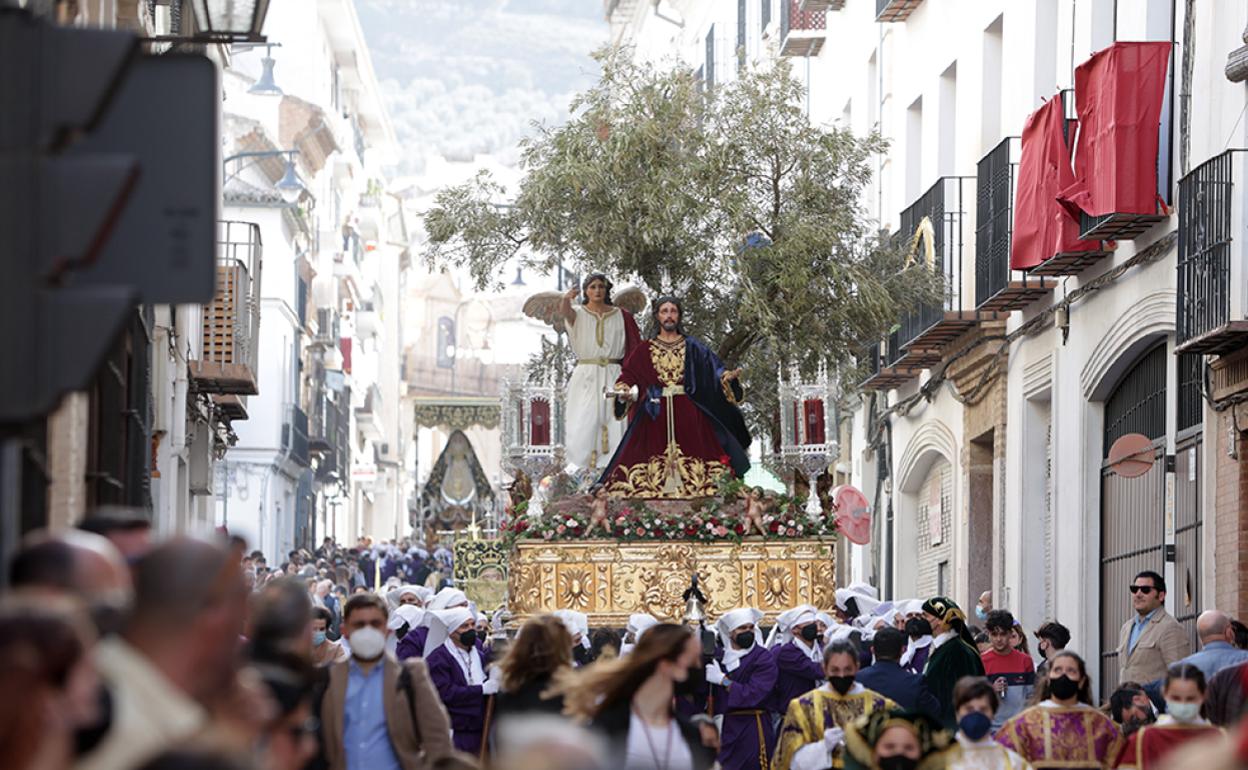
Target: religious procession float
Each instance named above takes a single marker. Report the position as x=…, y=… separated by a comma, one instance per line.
x=633, y=476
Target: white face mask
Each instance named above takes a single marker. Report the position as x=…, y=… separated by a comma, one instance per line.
x=1183, y=712
x=367, y=643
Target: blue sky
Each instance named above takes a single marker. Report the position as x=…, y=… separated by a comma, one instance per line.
x=468, y=77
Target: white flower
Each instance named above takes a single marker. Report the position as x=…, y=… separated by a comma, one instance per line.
x=571, y=522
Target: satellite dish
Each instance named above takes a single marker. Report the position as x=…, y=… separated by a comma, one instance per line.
x=853, y=514
x=1132, y=455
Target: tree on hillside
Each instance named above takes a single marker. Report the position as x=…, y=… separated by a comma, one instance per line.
x=727, y=197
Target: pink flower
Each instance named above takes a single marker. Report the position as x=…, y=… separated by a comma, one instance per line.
x=619, y=520
x=560, y=529
x=721, y=531
x=640, y=531
x=626, y=512
x=710, y=527
x=792, y=532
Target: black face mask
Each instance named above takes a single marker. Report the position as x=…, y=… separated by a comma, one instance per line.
x=917, y=627
x=468, y=638
x=1063, y=687
x=745, y=639
x=842, y=684
x=898, y=762
x=694, y=683
x=810, y=633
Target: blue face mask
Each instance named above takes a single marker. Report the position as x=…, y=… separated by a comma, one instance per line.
x=318, y=638
x=975, y=725
x=979, y=613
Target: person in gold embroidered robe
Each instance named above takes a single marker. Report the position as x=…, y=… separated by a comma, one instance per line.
x=821, y=715
x=1063, y=730
x=685, y=430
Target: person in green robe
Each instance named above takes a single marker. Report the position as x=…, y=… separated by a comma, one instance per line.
x=954, y=654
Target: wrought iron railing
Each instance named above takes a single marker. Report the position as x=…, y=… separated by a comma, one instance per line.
x=1205, y=246
x=792, y=17
x=941, y=207
x=295, y=434
x=994, y=219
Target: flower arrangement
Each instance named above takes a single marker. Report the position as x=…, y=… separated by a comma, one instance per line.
x=707, y=520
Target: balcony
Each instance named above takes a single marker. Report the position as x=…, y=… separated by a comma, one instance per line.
x=368, y=416
x=822, y=5
x=367, y=321
x=295, y=435
x=883, y=373
x=895, y=10
x=1213, y=266
x=330, y=432
x=801, y=32
x=327, y=328
x=997, y=287
x=933, y=226
x=229, y=352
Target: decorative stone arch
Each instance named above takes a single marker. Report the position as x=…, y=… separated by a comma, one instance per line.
x=1132, y=333
x=931, y=444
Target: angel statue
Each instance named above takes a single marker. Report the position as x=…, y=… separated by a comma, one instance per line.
x=602, y=332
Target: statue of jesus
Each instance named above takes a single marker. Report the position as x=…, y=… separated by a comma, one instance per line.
x=685, y=430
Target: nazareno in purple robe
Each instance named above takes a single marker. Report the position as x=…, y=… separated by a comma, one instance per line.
x=919, y=661
x=464, y=702
x=744, y=706
x=412, y=645
x=798, y=675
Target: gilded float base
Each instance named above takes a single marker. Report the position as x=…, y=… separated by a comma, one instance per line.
x=611, y=580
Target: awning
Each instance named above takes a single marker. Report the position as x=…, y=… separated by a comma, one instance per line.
x=1042, y=227
x=1118, y=96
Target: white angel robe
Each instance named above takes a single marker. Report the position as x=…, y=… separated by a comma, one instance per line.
x=592, y=431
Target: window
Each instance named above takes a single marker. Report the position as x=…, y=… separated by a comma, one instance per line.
x=446, y=343
x=942, y=579
x=946, y=151
x=765, y=11
x=740, y=34
x=710, y=58
x=990, y=131
x=914, y=150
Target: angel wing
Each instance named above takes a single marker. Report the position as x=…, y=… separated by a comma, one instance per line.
x=545, y=307
x=631, y=299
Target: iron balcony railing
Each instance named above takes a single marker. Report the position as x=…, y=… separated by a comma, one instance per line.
x=894, y=10
x=1211, y=268
x=295, y=435
x=229, y=354
x=994, y=219
x=937, y=215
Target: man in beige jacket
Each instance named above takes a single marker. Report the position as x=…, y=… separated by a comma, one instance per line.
x=373, y=716
x=1153, y=639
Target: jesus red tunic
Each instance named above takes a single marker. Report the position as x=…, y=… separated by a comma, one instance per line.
x=683, y=434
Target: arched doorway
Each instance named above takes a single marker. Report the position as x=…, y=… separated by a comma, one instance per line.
x=1132, y=510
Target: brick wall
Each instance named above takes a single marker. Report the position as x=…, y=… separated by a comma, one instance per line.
x=934, y=522
x=67, y=459
x=1230, y=556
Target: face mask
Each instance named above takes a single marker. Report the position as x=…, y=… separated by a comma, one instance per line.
x=975, y=725
x=318, y=638
x=916, y=627
x=468, y=638
x=898, y=762
x=810, y=633
x=694, y=683
x=842, y=684
x=745, y=639
x=1183, y=712
x=979, y=613
x=1063, y=688
x=367, y=643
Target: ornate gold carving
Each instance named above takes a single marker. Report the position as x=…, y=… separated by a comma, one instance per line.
x=610, y=582
x=672, y=476
x=456, y=416
x=669, y=360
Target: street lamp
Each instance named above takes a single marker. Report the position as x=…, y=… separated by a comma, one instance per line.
x=290, y=187
x=230, y=21
x=266, y=86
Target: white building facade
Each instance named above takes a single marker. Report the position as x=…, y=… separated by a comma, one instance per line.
x=982, y=431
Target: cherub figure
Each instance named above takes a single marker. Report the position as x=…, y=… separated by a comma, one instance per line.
x=756, y=504
x=598, y=515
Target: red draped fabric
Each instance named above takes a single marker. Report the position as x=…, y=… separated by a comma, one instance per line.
x=539, y=422
x=1042, y=228
x=813, y=409
x=1118, y=95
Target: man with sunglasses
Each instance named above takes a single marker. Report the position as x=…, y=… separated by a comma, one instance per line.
x=1149, y=642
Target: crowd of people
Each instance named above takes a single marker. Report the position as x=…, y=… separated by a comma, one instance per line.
x=120, y=652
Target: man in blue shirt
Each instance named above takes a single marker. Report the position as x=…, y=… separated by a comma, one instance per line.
x=1218, y=650
x=1153, y=640
x=379, y=714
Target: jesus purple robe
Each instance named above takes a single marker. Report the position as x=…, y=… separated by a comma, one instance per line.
x=744, y=707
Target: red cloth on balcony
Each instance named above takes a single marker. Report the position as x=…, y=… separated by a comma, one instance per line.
x=1118, y=95
x=1042, y=228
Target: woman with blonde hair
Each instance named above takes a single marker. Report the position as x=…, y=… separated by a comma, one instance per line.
x=539, y=653
x=629, y=700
